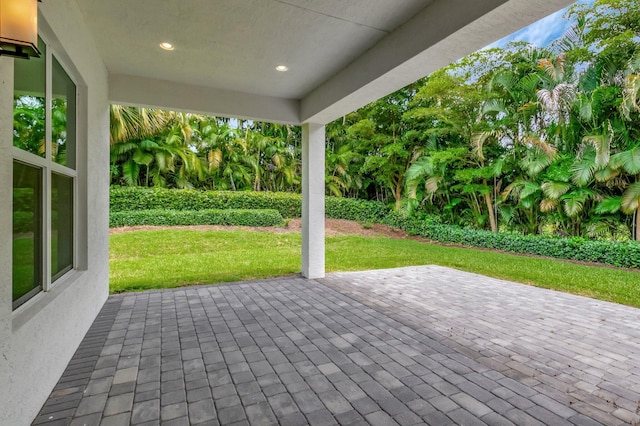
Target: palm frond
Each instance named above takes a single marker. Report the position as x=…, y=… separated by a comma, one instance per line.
x=606, y=174
x=130, y=172
x=432, y=184
x=534, y=140
x=536, y=160
x=529, y=189
x=548, y=205
x=602, y=144
x=130, y=123
x=506, y=79
x=631, y=95
x=424, y=166
x=629, y=161
x=585, y=107
x=529, y=108
x=477, y=143
x=609, y=205
x=529, y=83
x=555, y=190
x=583, y=169
x=631, y=198
x=142, y=158
x=494, y=105
x=572, y=206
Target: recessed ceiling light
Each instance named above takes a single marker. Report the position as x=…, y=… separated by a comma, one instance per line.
x=282, y=68
x=167, y=46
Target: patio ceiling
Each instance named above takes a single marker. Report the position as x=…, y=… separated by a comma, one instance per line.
x=341, y=54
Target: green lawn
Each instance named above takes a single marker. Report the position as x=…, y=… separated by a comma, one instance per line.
x=171, y=258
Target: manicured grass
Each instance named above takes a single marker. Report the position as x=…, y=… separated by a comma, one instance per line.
x=171, y=258
x=144, y=260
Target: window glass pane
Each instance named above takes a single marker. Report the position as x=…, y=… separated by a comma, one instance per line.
x=63, y=117
x=27, y=232
x=61, y=225
x=29, y=104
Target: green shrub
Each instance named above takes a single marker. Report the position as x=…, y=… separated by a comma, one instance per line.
x=623, y=254
x=289, y=205
x=354, y=209
x=196, y=217
x=132, y=198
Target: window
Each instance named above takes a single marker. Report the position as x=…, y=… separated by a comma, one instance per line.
x=29, y=104
x=27, y=231
x=61, y=225
x=44, y=175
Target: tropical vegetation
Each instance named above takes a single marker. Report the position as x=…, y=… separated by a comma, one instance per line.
x=521, y=139
x=521, y=148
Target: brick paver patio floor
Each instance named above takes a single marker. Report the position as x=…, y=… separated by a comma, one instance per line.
x=419, y=345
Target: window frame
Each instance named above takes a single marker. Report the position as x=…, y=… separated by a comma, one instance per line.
x=48, y=167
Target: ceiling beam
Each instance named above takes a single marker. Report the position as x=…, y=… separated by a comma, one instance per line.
x=440, y=34
x=141, y=91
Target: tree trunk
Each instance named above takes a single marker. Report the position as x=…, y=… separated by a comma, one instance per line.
x=637, y=225
x=490, y=208
x=398, y=195
x=492, y=216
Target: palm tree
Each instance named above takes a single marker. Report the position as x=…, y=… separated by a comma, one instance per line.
x=433, y=174
x=629, y=162
x=162, y=157
x=558, y=92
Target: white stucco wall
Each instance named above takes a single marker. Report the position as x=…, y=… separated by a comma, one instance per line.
x=39, y=339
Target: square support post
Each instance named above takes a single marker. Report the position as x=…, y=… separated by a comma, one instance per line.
x=313, y=152
x=6, y=229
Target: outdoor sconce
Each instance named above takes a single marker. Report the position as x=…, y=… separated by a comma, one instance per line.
x=19, y=28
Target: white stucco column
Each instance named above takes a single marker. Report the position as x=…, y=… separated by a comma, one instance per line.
x=6, y=230
x=313, y=200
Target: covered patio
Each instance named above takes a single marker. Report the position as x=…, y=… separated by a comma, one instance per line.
x=302, y=62
x=418, y=345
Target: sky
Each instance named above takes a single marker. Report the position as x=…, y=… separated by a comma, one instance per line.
x=543, y=32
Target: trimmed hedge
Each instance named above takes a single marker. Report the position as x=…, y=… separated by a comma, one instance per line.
x=354, y=209
x=196, y=217
x=287, y=204
x=132, y=198
x=625, y=255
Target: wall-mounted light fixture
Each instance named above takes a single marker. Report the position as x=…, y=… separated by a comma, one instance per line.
x=19, y=28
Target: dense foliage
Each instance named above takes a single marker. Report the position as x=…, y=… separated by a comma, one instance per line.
x=230, y=217
x=517, y=139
